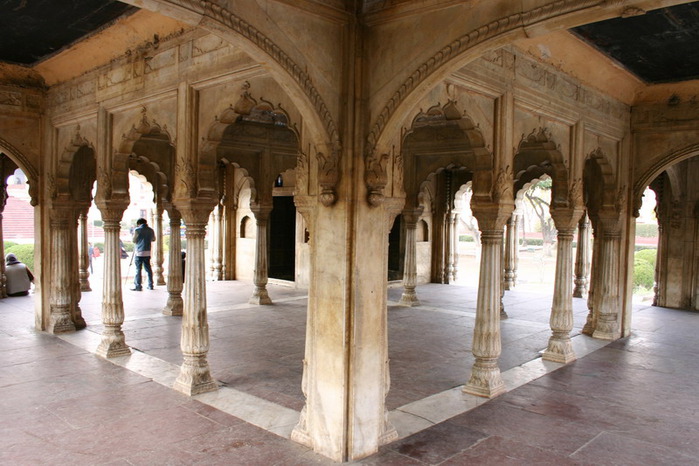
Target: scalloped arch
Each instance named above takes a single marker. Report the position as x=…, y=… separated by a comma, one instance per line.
x=669, y=158
x=27, y=167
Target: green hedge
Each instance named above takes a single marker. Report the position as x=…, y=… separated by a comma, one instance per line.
x=643, y=274
x=648, y=255
x=23, y=252
x=466, y=238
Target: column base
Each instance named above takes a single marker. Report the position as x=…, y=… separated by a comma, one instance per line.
x=113, y=345
x=195, y=377
x=409, y=298
x=485, y=380
x=300, y=433
x=559, y=350
x=174, y=306
x=389, y=432
x=80, y=322
x=607, y=328
x=60, y=322
x=85, y=286
x=260, y=296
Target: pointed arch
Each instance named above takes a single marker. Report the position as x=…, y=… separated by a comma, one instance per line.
x=76, y=171
x=443, y=138
x=26, y=166
x=669, y=158
x=538, y=155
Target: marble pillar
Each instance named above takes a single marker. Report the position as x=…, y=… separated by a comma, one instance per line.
x=84, y=253
x=560, y=348
x=158, y=257
x=607, y=327
x=113, y=342
x=75, y=311
x=174, y=306
x=61, y=297
x=486, y=379
x=591, y=321
x=216, y=243
x=510, y=251
x=409, y=297
x=659, y=261
x=195, y=375
x=582, y=258
x=260, y=295
x=451, y=254
x=3, y=277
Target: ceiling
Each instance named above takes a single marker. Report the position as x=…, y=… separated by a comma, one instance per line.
x=32, y=30
x=660, y=46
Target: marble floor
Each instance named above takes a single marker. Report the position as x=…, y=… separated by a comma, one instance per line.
x=633, y=401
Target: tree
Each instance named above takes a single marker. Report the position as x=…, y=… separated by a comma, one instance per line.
x=539, y=197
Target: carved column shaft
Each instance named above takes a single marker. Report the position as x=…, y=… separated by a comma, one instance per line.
x=582, y=259
x=515, y=250
x=195, y=375
x=607, y=327
x=409, y=296
x=560, y=348
x=113, y=342
x=510, y=247
x=174, y=306
x=75, y=253
x=260, y=295
x=61, y=294
x=3, y=277
x=216, y=243
x=659, y=261
x=157, y=221
x=454, y=246
x=84, y=255
x=485, y=376
x=591, y=322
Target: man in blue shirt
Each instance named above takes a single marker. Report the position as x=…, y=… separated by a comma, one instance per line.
x=143, y=236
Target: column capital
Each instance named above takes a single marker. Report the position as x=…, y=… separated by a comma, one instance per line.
x=492, y=216
x=566, y=218
x=112, y=210
x=195, y=211
x=412, y=216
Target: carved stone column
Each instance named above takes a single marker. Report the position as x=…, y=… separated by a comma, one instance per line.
x=113, y=342
x=582, y=258
x=510, y=248
x=3, y=277
x=84, y=255
x=560, y=348
x=607, y=327
x=515, y=251
x=409, y=296
x=229, y=241
x=260, y=295
x=591, y=322
x=216, y=243
x=485, y=375
x=195, y=376
x=454, y=246
x=174, y=306
x=659, y=261
x=157, y=221
x=74, y=254
x=60, y=320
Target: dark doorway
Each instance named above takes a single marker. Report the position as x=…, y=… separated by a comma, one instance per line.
x=395, y=250
x=282, y=239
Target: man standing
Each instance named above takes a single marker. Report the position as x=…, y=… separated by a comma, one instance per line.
x=143, y=236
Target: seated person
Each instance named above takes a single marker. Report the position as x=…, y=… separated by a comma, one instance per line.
x=19, y=277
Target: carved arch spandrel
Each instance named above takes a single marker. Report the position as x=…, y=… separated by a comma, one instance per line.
x=444, y=138
x=468, y=46
x=76, y=171
x=538, y=155
x=26, y=166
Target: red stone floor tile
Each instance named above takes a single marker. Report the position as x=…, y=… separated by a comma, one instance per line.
x=438, y=443
x=498, y=451
x=612, y=448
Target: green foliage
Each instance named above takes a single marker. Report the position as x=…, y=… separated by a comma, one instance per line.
x=128, y=246
x=648, y=255
x=9, y=244
x=643, y=274
x=466, y=238
x=24, y=253
x=100, y=246
x=532, y=242
x=647, y=230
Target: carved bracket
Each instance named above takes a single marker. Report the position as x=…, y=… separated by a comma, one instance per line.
x=328, y=176
x=376, y=177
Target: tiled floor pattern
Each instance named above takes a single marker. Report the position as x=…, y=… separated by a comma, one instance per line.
x=631, y=402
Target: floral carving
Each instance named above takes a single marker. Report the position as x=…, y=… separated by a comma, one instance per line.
x=376, y=177
x=328, y=176
x=502, y=189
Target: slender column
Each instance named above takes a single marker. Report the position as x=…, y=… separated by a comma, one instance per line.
x=3, y=277
x=61, y=295
x=195, y=376
x=582, y=259
x=76, y=312
x=510, y=247
x=174, y=306
x=229, y=241
x=503, y=313
x=260, y=295
x=157, y=222
x=485, y=376
x=216, y=233
x=454, y=246
x=560, y=348
x=515, y=249
x=409, y=297
x=84, y=257
x=591, y=322
x=113, y=342
x=607, y=327
x=659, y=260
